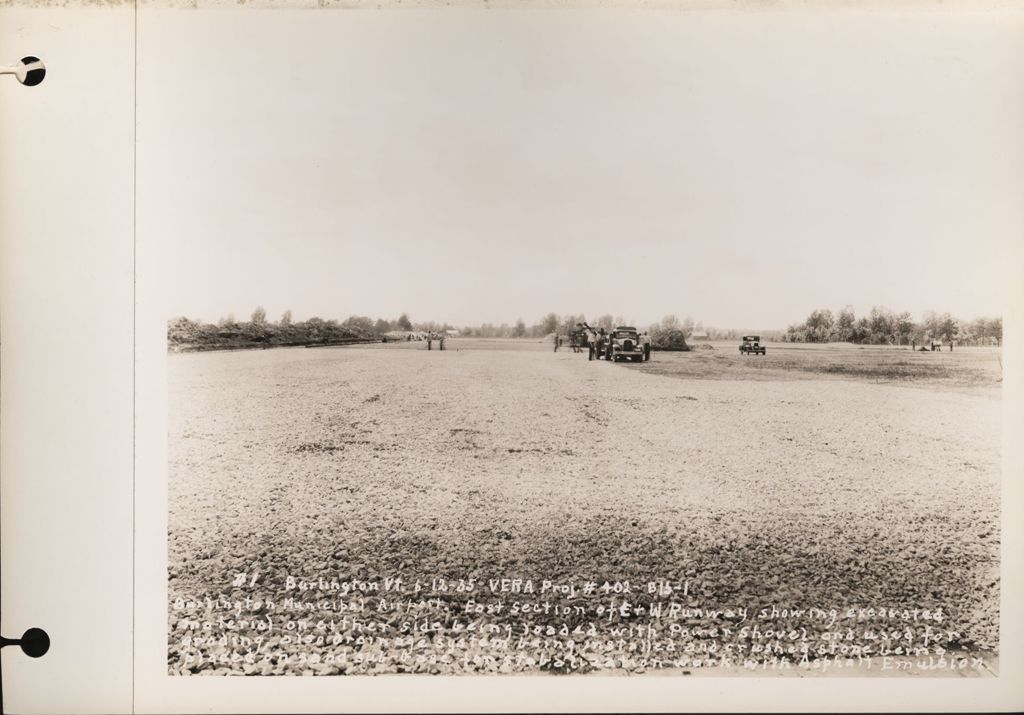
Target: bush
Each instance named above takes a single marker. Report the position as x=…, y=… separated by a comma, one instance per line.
x=668, y=339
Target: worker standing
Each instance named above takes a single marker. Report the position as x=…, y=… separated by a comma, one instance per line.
x=602, y=339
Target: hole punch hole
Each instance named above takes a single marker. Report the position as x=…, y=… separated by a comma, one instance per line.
x=35, y=643
x=34, y=71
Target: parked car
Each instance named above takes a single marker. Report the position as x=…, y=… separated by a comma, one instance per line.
x=627, y=342
x=751, y=345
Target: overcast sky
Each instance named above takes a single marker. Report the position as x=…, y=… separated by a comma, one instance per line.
x=472, y=165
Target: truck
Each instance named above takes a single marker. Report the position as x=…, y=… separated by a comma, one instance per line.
x=751, y=345
x=579, y=338
x=626, y=342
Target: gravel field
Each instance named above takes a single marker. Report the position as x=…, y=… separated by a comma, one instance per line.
x=783, y=482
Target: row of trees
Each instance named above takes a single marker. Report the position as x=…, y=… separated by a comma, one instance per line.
x=258, y=331
x=881, y=327
x=886, y=327
x=550, y=323
x=563, y=324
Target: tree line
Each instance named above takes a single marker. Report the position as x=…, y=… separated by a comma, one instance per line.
x=565, y=324
x=886, y=327
x=258, y=331
x=881, y=327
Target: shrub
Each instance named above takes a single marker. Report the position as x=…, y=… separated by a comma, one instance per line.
x=668, y=339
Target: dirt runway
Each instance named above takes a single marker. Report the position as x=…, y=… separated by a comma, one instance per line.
x=373, y=462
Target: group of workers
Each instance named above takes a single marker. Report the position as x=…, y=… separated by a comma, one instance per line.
x=594, y=339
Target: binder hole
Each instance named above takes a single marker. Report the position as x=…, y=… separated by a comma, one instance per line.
x=31, y=74
x=35, y=642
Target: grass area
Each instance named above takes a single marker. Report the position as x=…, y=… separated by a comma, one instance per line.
x=975, y=367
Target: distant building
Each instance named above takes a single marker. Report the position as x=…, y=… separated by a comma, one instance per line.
x=699, y=335
x=452, y=333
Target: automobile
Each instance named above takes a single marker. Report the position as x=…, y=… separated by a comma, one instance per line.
x=626, y=342
x=752, y=345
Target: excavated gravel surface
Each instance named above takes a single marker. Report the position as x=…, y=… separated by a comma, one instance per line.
x=375, y=462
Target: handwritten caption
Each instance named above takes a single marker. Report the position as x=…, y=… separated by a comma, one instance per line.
x=328, y=626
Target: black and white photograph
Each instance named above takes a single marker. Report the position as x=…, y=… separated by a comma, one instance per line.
x=650, y=343
x=511, y=356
